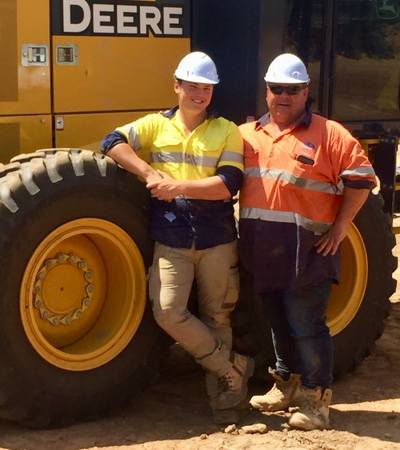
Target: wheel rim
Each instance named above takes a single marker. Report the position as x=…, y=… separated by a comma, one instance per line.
x=347, y=297
x=83, y=294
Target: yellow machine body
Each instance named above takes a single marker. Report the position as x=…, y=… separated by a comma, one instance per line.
x=72, y=70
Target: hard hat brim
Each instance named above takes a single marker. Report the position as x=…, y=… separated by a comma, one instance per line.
x=286, y=80
x=196, y=79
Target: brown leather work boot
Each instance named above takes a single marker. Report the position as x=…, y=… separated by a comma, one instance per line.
x=233, y=385
x=313, y=409
x=220, y=416
x=280, y=396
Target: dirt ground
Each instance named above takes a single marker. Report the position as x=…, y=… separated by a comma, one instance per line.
x=173, y=415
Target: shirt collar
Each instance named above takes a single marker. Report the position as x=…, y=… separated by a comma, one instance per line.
x=170, y=113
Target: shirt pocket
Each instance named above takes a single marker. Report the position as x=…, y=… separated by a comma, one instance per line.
x=208, y=144
x=166, y=149
x=162, y=142
x=302, y=160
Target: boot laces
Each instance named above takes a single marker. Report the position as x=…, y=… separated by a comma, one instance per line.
x=276, y=390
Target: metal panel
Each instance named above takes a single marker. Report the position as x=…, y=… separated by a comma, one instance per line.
x=8, y=51
x=87, y=130
x=117, y=73
x=25, y=88
x=24, y=134
x=124, y=53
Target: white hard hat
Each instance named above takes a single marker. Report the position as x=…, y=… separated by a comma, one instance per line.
x=198, y=68
x=287, y=68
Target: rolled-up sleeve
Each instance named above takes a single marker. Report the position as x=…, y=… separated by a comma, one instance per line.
x=232, y=178
x=355, y=169
x=232, y=155
x=230, y=163
x=111, y=140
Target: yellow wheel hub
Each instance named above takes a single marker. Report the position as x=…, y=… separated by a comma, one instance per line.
x=83, y=294
x=347, y=297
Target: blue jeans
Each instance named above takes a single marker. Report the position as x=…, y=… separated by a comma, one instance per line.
x=301, y=338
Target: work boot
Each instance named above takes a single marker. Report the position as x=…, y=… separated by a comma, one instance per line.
x=233, y=385
x=220, y=416
x=313, y=409
x=280, y=396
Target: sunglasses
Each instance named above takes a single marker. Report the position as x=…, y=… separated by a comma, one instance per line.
x=294, y=89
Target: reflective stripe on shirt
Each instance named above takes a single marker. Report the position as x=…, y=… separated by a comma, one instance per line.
x=228, y=157
x=284, y=217
x=305, y=183
x=358, y=172
x=171, y=157
x=134, y=139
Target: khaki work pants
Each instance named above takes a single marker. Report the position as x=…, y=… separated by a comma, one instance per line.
x=209, y=337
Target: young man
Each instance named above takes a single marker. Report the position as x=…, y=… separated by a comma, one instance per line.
x=192, y=163
x=305, y=179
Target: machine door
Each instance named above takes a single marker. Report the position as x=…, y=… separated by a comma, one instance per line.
x=25, y=105
x=113, y=60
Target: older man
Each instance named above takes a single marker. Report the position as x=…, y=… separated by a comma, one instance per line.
x=305, y=179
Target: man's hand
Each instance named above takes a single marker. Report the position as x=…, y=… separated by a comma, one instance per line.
x=153, y=177
x=353, y=199
x=156, y=175
x=165, y=189
x=211, y=188
x=164, y=175
x=329, y=243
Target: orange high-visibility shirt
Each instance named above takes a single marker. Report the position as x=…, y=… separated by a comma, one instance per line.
x=302, y=171
x=291, y=194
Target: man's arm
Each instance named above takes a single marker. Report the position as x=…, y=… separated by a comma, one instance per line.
x=211, y=188
x=353, y=199
x=124, y=155
x=222, y=186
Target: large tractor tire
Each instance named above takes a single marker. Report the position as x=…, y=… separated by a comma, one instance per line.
x=358, y=305
x=77, y=338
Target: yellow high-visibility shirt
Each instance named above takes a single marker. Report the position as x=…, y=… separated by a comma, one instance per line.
x=160, y=140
